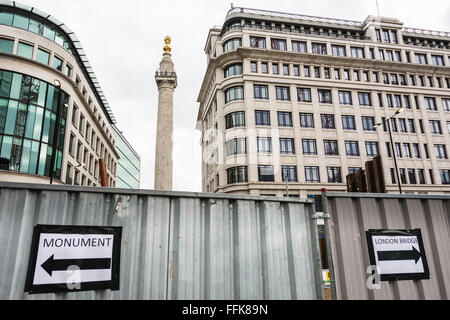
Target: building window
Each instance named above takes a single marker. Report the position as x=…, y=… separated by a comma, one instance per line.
x=372, y=149
x=327, y=121
x=421, y=174
x=296, y=70
x=264, y=68
x=253, y=67
x=440, y=151
x=348, y=122
x=324, y=96
x=437, y=60
x=25, y=50
x=284, y=119
x=317, y=72
x=312, y=174
x=43, y=56
x=57, y=63
x=262, y=118
x=398, y=150
x=402, y=125
x=356, y=75
x=306, y=120
x=334, y=175
x=338, y=51
x=346, y=74
x=309, y=147
x=285, y=69
x=364, y=99
x=232, y=44
x=299, y=46
x=304, y=94
x=421, y=58
x=403, y=176
x=319, y=48
x=282, y=93
x=275, y=68
x=345, y=97
x=352, y=148
x=445, y=176
x=234, y=93
x=264, y=145
x=258, y=42
x=357, y=52
x=278, y=44
x=233, y=70
x=265, y=174
x=236, y=146
x=435, y=127
x=235, y=119
x=337, y=74
x=412, y=176
x=68, y=70
x=306, y=71
x=290, y=172
x=237, y=175
x=260, y=91
x=287, y=146
x=6, y=45
x=416, y=150
x=407, y=149
x=331, y=147
x=368, y=123
x=398, y=56
x=430, y=103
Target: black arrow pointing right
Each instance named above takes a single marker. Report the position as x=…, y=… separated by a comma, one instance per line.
x=399, y=255
x=51, y=264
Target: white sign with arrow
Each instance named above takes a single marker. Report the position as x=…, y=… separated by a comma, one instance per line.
x=398, y=254
x=70, y=258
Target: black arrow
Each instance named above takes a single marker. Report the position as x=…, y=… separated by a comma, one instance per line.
x=399, y=255
x=84, y=264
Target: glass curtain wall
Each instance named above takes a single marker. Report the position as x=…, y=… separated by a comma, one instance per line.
x=28, y=109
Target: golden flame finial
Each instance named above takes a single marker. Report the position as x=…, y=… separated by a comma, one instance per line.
x=167, y=48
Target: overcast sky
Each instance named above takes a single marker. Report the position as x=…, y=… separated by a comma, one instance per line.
x=123, y=41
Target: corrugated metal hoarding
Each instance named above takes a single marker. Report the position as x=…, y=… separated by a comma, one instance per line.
x=187, y=246
x=351, y=215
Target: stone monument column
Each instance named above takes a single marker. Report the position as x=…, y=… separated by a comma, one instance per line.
x=166, y=79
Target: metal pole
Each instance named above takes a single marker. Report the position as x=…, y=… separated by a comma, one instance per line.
x=287, y=183
x=395, y=157
x=327, y=217
x=56, y=135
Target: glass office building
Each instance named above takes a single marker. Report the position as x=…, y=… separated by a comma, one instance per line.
x=129, y=164
x=28, y=108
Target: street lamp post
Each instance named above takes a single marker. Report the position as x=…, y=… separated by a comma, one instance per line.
x=56, y=132
x=392, y=145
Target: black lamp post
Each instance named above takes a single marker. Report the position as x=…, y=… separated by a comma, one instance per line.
x=56, y=131
x=392, y=144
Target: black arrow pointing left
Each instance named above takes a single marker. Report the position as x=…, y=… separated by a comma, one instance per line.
x=51, y=264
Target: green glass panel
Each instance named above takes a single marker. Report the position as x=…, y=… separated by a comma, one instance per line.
x=34, y=91
x=33, y=157
x=5, y=84
x=49, y=33
x=42, y=158
x=16, y=154
x=59, y=39
x=48, y=160
x=30, y=122
x=42, y=93
x=21, y=117
x=46, y=127
x=43, y=56
x=21, y=22
x=25, y=161
x=55, y=100
x=6, y=148
x=25, y=50
x=25, y=89
x=6, y=18
x=16, y=83
x=57, y=63
x=36, y=27
x=3, y=112
x=11, y=117
x=51, y=133
x=50, y=97
x=38, y=123
x=6, y=45
x=68, y=71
